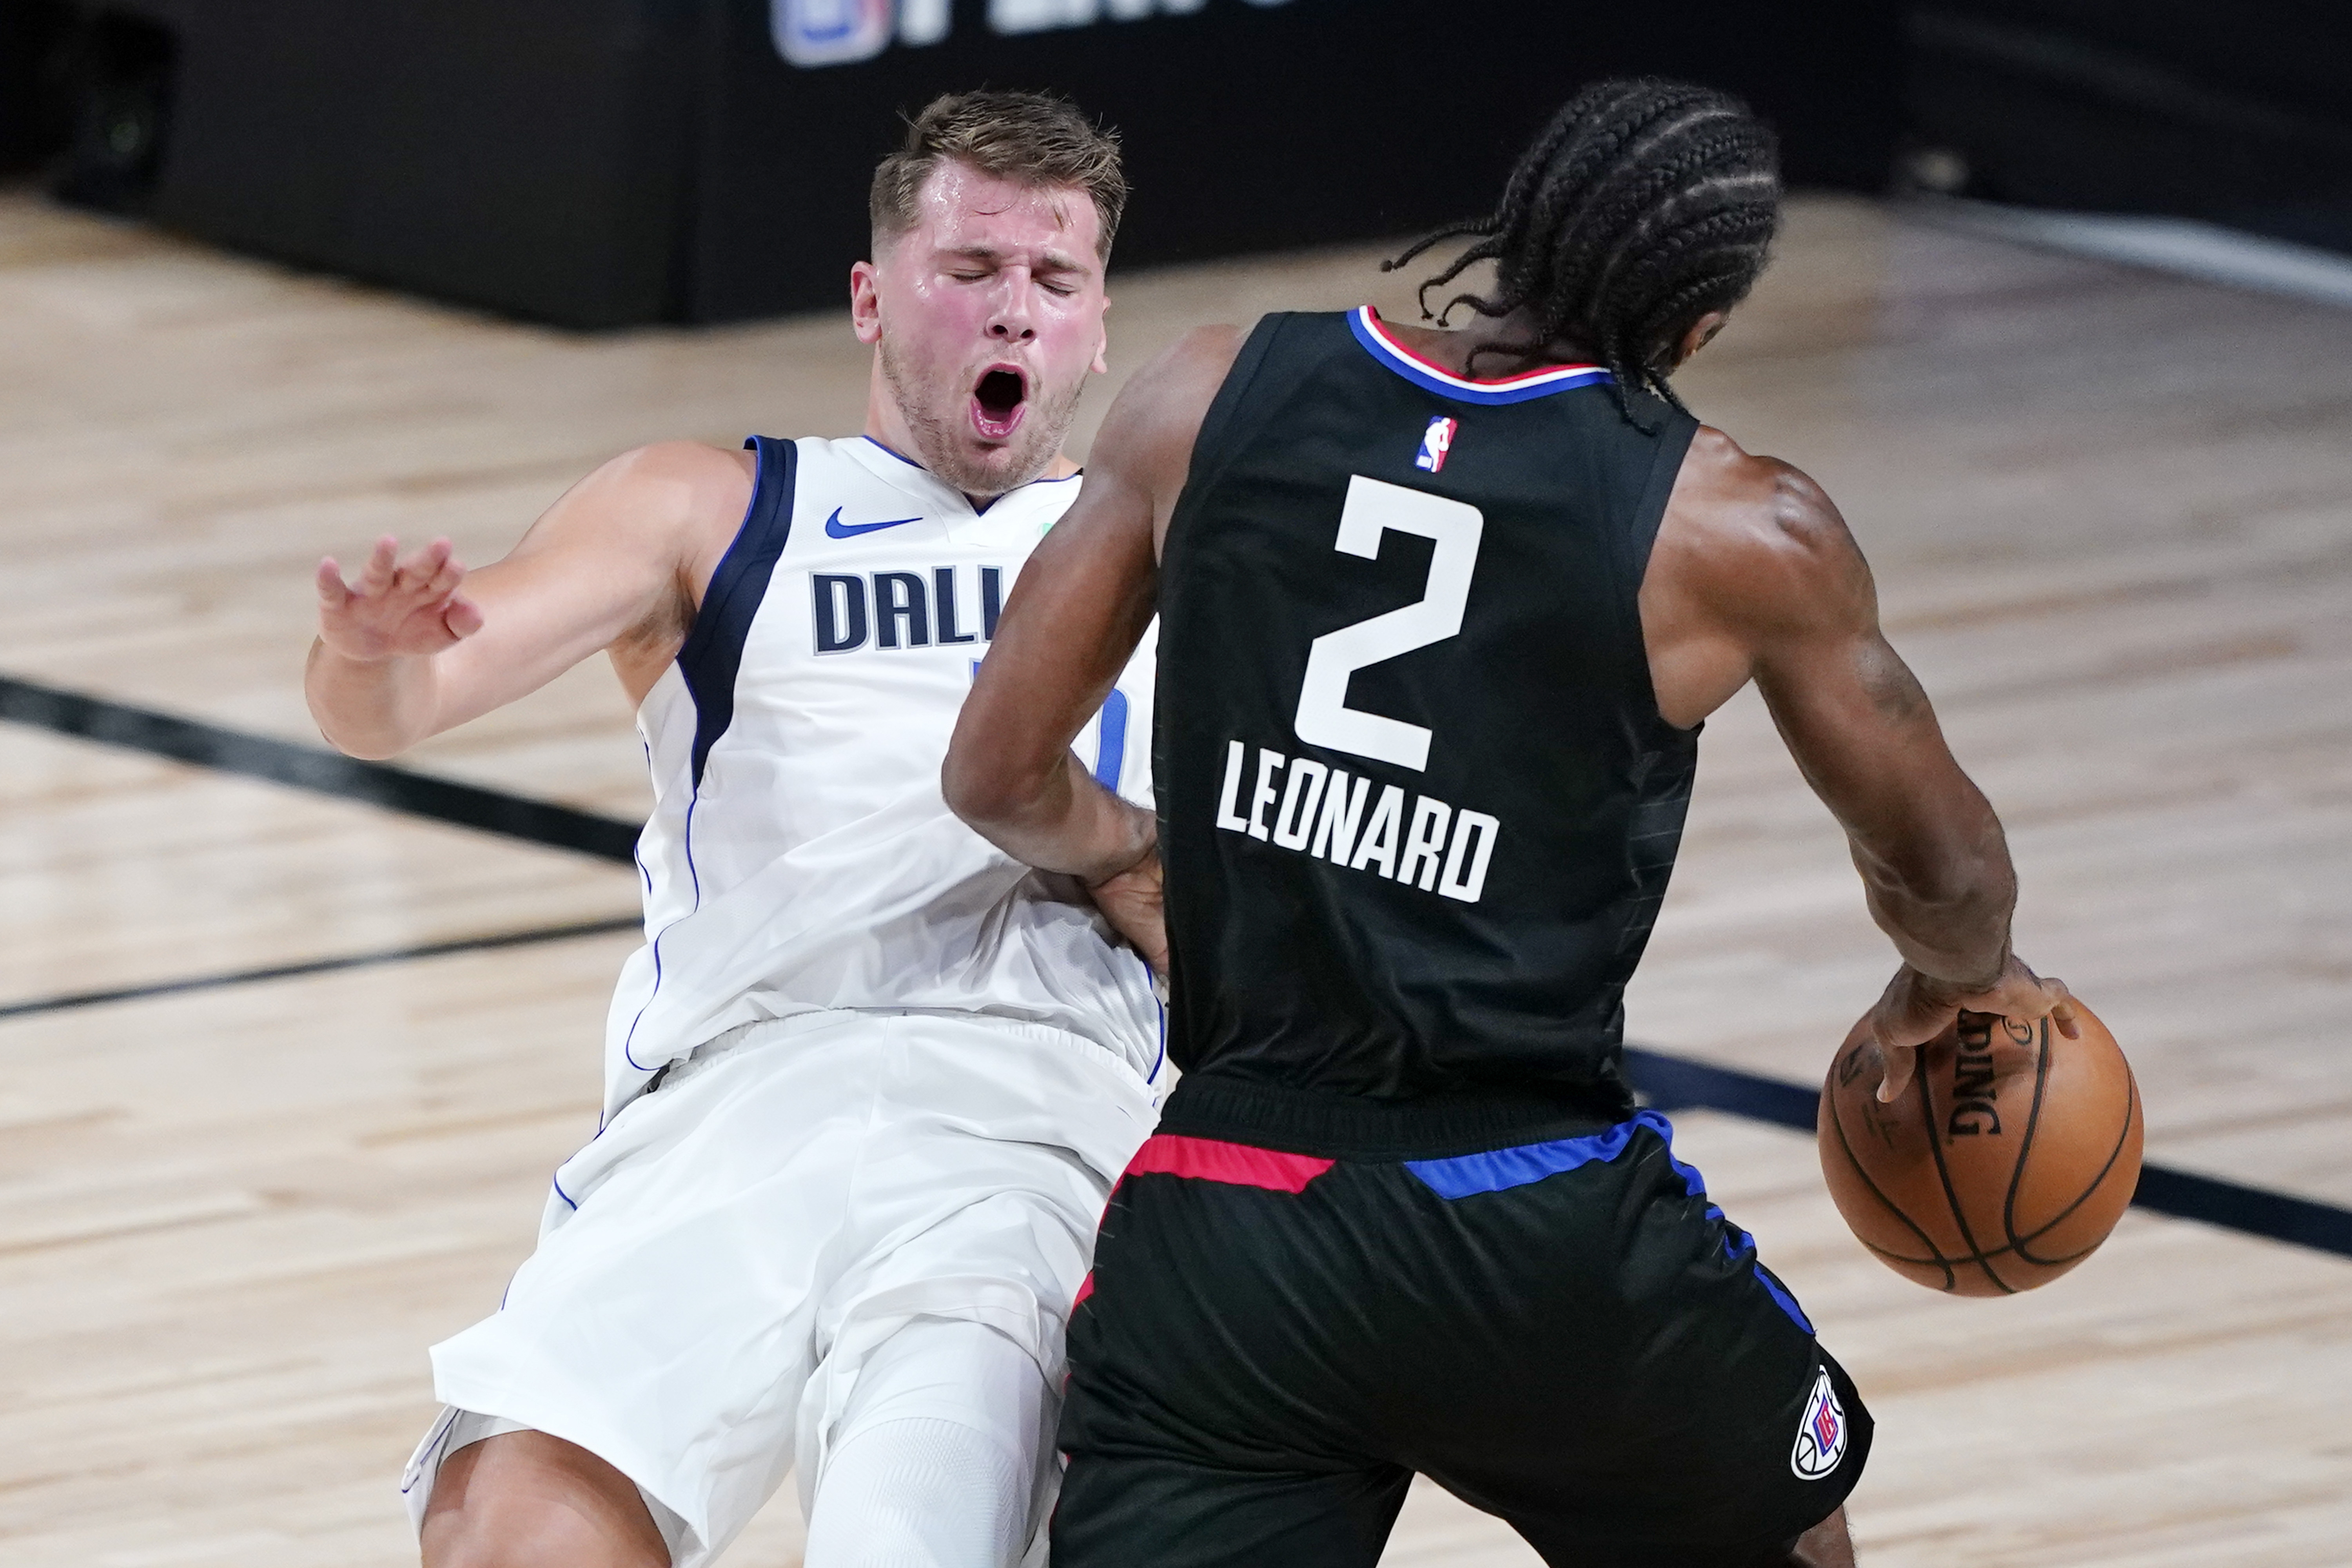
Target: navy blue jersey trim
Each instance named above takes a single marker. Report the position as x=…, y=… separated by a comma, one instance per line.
x=892, y=450
x=714, y=648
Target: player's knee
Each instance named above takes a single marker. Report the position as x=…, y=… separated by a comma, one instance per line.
x=526, y=1500
x=1826, y=1545
x=535, y=1532
x=462, y=1540
x=476, y=1538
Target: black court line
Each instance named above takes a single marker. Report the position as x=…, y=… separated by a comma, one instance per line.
x=1677, y=1083
x=319, y=966
x=1670, y=1082
x=316, y=769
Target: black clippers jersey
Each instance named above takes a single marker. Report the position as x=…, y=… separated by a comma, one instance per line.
x=1417, y=803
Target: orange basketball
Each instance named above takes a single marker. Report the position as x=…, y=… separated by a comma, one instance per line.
x=2004, y=1163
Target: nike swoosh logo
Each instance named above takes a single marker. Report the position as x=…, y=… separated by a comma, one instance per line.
x=837, y=529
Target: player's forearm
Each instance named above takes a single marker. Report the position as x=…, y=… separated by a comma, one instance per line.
x=371, y=708
x=1057, y=819
x=1945, y=898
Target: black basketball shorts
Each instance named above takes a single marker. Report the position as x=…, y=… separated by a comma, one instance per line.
x=1563, y=1332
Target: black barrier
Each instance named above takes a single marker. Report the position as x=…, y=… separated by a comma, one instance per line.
x=1247, y=126
x=2237, y=114
x=528, y=155
x=599, y=162
x=31, y=34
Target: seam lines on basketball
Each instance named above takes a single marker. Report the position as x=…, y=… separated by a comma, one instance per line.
x=1976, y=1254
x=1936, y=1258
x=2025, y=1146
x=1935, y=1254
x=2131, y=1111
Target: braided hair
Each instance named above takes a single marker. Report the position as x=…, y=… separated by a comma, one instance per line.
x=1643, y=205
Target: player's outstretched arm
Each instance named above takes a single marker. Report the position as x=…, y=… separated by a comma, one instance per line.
x=1755, y=575
x=415, y=644
x=1073, y=620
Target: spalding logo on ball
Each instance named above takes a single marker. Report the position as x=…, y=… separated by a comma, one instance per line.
x=2003, y=1163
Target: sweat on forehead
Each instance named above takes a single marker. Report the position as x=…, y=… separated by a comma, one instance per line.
x=962, y=208
x=1027, y=139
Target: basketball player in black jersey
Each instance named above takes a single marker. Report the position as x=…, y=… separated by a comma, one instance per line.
x=1440, y=615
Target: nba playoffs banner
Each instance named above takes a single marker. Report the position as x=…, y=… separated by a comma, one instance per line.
x=603, y=162
x=1248, y=124
x=836, y=32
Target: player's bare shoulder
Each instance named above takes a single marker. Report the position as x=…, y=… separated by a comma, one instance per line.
x=1753, y=532
x=1209, y=350
x=1159, y=411
x=690, y=495
x=661, y=515
x=1750, y=552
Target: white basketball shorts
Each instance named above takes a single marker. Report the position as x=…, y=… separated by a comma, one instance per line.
x=715, y=1267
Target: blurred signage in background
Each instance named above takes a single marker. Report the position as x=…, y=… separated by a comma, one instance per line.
x=610, y=162
x=837, y=31
x=809, y=33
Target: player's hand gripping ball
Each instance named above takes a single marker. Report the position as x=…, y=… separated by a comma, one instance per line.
x=2003, y=1163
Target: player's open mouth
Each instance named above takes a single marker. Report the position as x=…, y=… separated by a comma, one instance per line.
x=999, y=402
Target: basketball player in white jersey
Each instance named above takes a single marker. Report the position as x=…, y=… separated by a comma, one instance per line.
x=869, y=1080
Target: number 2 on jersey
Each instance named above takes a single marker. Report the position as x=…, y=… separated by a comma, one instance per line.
x=1372, y=509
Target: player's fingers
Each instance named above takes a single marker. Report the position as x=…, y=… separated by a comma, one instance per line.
x=376, y=575
x=463, y=617
x=2023, y=996
x=445, y=580
x=2063, y=1011
x=1901, y=1060
x=415, y=574
x=1909, y=1015
x=333, y=594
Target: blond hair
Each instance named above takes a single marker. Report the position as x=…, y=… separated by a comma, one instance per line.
x=1030, y=138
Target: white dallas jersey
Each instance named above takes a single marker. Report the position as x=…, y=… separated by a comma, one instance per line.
x=800, y=857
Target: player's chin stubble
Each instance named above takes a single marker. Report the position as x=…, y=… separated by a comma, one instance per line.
x=939, y=441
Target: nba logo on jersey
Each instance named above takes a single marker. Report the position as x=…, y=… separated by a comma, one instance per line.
x=1435, y=442
x=1821, y=1435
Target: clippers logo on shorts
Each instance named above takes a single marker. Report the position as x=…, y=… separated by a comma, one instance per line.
x=1821, y=1436
x=1435, y=442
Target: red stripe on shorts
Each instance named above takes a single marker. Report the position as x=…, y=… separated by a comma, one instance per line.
x=1235, y=1164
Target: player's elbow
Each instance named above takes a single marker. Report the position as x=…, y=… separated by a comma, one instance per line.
x=979, y=785
x=365, y=749
x=369, y=744
x=355, y=720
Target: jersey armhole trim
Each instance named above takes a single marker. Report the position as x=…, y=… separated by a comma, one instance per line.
x=713, y=650
x=1636, y=539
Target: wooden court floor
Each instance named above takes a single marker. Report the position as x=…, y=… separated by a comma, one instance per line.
x=2111, y=512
